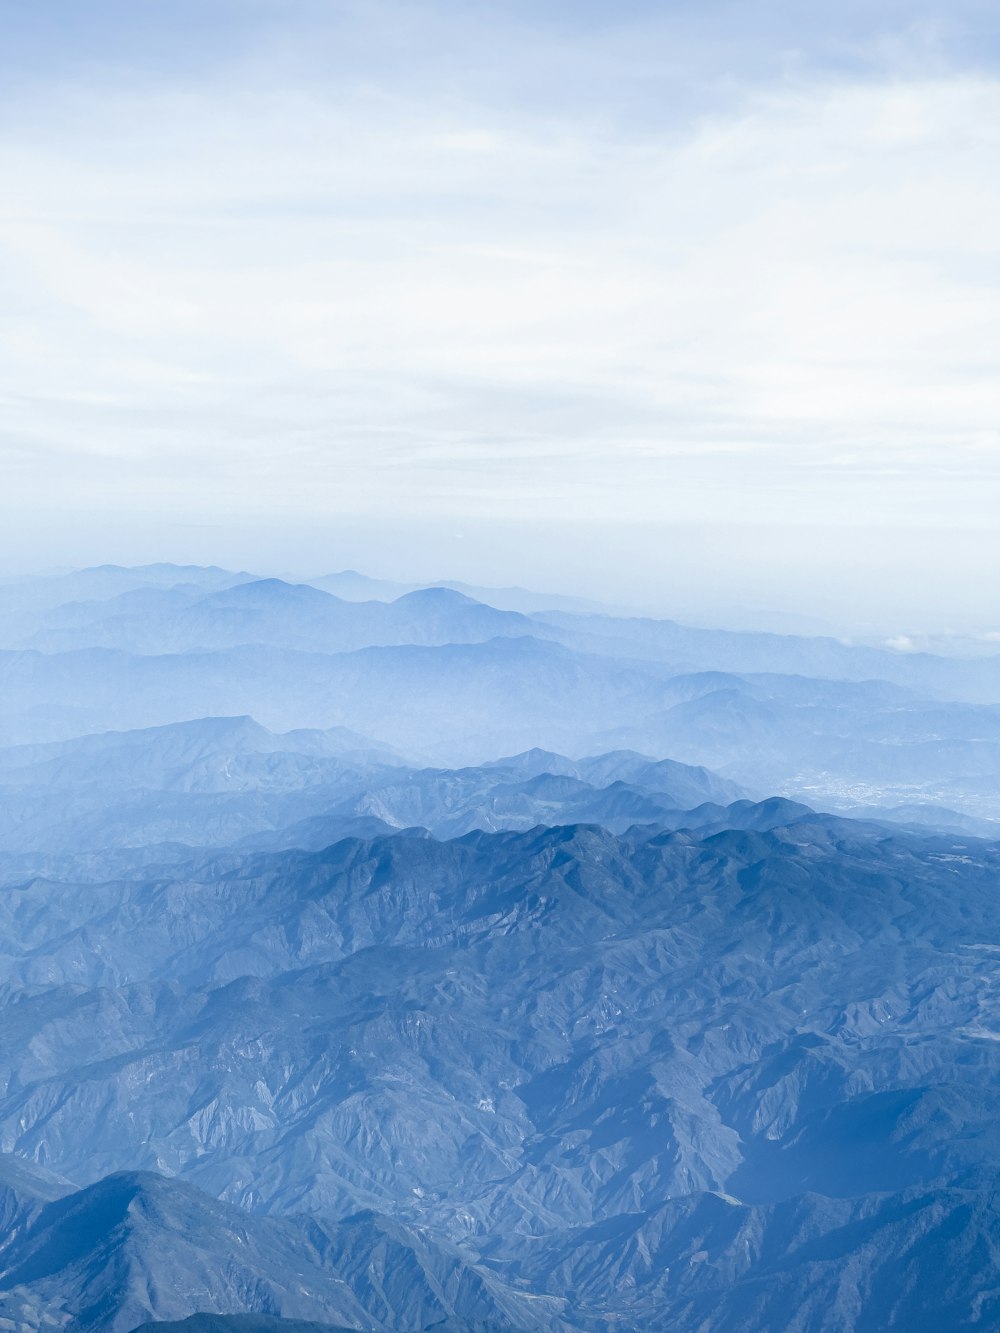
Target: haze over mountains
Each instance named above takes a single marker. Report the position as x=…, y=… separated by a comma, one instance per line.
x=335, y=692
x=397, y=962
x=808, y=718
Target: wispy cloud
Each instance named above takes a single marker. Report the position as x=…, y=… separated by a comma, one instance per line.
x=749, y=274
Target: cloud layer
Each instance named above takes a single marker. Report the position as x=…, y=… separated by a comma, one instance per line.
x=384, y=265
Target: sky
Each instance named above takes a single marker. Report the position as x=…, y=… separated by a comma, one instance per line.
x=693, y=306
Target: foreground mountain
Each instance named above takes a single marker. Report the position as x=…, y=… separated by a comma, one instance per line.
x=743, y=1075
x=243, y=1323
x=135, y=1245
x=236, y=1323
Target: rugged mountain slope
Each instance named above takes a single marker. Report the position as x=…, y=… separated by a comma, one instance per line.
x=236, y=1323
x=133, y=1245
x=743, y=1076
x=242, y=1323
x=919, y=1260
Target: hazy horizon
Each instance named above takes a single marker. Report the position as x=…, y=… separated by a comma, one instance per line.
x=713, y=598
x=689, y=307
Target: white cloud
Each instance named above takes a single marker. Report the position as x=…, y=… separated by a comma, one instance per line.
x=788, y=307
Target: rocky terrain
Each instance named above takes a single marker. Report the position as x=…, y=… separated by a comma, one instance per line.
x=300, y=1032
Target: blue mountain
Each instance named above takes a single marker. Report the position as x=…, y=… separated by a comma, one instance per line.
x=744, y=1072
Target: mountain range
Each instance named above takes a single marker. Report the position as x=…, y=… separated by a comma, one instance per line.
x=851, y=728
x=404, y=962
x=541, y=1055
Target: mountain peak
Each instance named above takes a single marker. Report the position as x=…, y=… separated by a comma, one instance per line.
x=273, y=593
x=436, y=597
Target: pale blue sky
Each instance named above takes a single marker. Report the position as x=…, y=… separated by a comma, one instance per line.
x=706, y=294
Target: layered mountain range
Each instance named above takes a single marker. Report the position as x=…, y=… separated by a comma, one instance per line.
x=407, y=962
x=450, y=681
